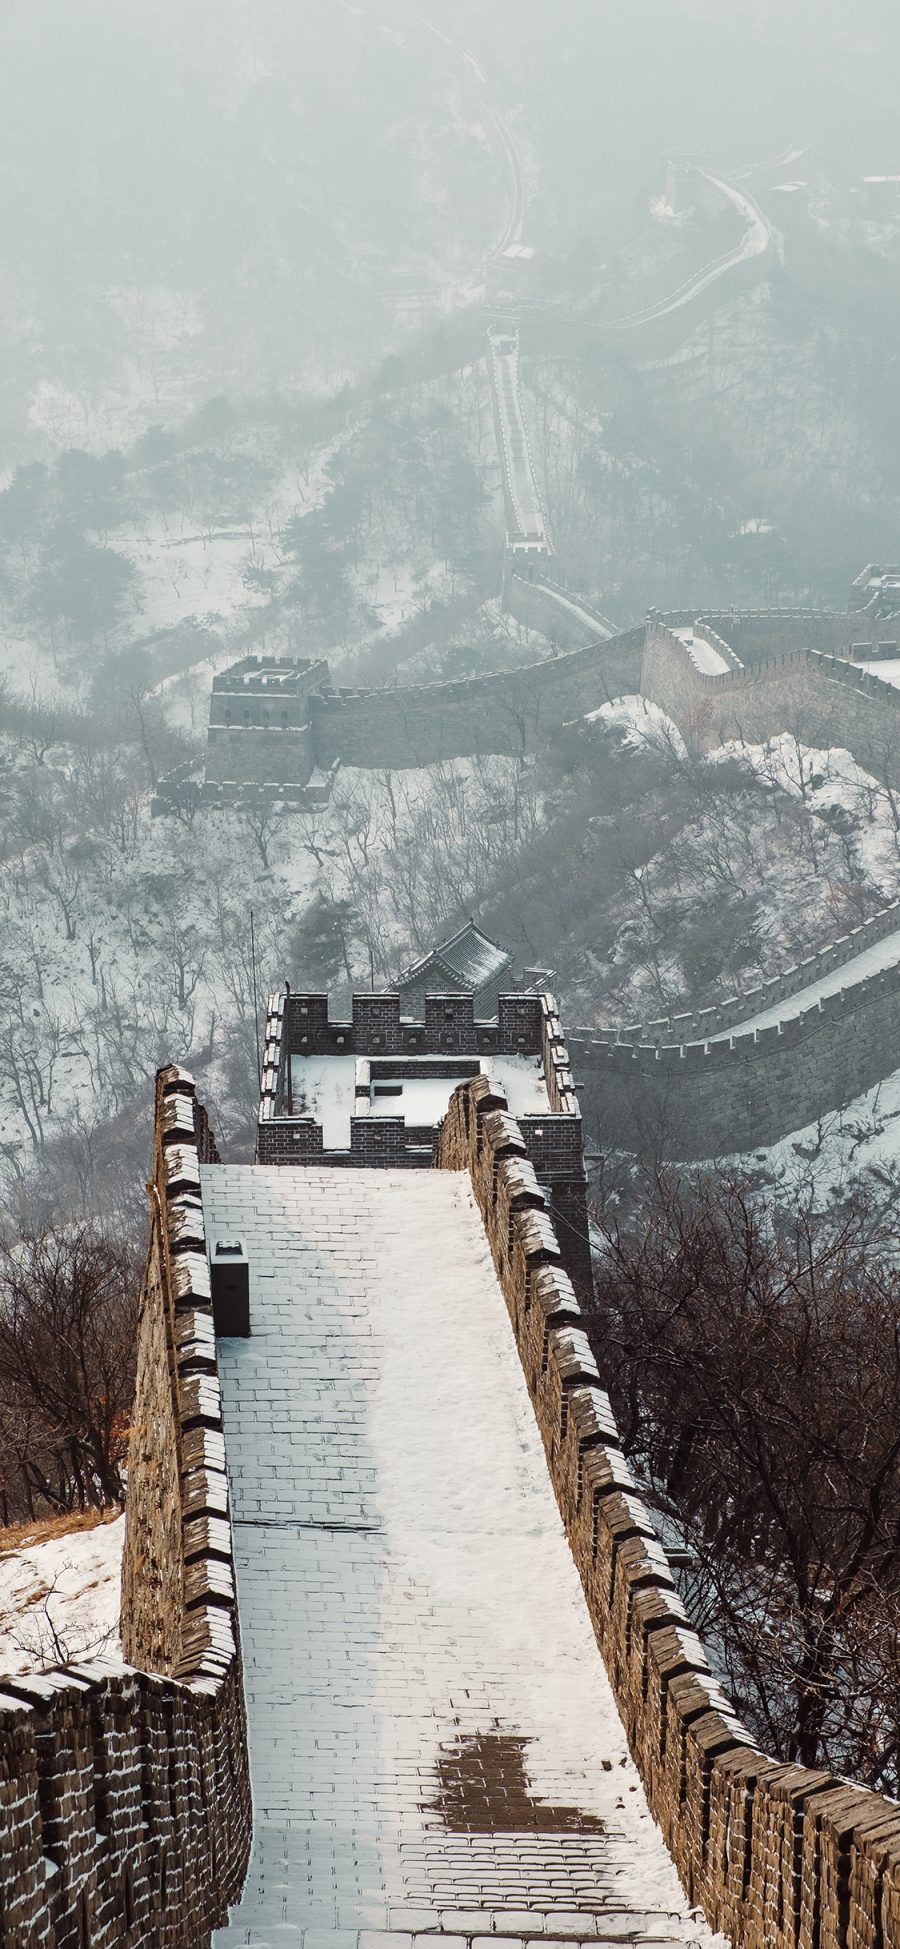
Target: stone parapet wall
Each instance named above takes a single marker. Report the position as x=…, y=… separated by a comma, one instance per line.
x=381, y=1026
x=757, y=635
x=670, y=679
x=245, y=754
x=778, y=1857
x=661, y=330
x=125, y=1815
x=694, y=1100
x=660, y=1087
x=546, y=607
x=251, y=796
x=820, y=696
x=508, y=713
x=696, y=1025
x=511, y=712
x=708, y=634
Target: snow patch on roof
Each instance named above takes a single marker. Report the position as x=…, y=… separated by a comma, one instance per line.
x=470, y=956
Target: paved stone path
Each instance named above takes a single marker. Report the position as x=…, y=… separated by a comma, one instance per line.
x=434, y=1744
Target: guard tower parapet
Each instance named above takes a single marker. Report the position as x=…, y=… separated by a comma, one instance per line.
x=373, y=1091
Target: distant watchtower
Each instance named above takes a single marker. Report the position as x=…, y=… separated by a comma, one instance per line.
x=371, y=1092
x=259, y=725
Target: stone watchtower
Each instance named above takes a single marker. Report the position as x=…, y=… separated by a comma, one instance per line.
x=374, y=1090
x=259, y=726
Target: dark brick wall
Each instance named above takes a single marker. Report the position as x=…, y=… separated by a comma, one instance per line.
x=542, y=605
x=376, y=1025
x=125, y=1817
x=450, y=1023
x=520, y=1025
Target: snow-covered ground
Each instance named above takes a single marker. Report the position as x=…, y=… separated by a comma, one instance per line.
x=164, y=914
x=862, y=1140
x=324, y=1087
x=522, y=1080
x=829, y=781
x=705, y=657
x=59, y=1598
x=641, y=723
x=185, y=574
x=195, y=570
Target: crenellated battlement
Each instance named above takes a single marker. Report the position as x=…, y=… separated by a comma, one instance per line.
x=126, y=1812
x=280, y=729
x=775, y=1855
x=371, y=1092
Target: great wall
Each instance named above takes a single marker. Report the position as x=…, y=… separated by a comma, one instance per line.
x=295, y=1458
x=280, y=731
x=680, y=1089
x=329, y=1436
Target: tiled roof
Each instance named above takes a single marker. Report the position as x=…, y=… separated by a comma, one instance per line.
x=470, y=959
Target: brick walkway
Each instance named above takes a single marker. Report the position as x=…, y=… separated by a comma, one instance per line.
x=434, y=1743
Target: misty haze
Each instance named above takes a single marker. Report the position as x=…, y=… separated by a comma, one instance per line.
x=450, y=974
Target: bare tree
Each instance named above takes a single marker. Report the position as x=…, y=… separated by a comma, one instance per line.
x=754, y=1361
x=264, y=820
x=68, y=1315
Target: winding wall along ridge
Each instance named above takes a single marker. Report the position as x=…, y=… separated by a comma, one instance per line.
x=525, y=521
x=710, y=1024
x=125, y=1814
x=694, y=1098
x=757, y=241
x=514, y=710
x=472, y=68
x=678, y=1093
x=685, y=1087
x=693, y=1101
x=778, y=1857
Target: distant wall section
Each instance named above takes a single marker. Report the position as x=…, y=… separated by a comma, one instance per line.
x=555, y=613
x=825, y=699
x=693, y=1100
x=509, y=713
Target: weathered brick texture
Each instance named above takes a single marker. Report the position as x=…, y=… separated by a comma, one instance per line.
x=778, y=1857
x=125, y=1814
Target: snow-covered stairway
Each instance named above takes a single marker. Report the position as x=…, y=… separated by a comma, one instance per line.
x=434, y=1744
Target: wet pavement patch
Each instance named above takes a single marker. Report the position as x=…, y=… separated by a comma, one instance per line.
x=483, y=1788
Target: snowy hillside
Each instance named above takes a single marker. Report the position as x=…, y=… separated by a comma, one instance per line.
x=59, y=1595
